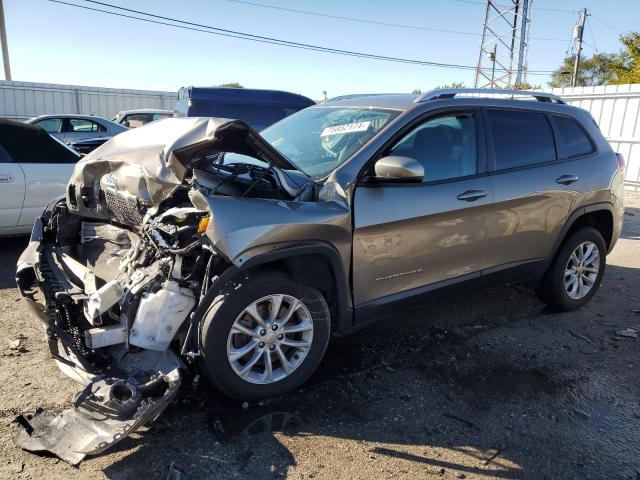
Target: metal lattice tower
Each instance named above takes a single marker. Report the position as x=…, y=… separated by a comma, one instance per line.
x=502, y=62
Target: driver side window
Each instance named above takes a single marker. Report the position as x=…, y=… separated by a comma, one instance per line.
x=446, y=146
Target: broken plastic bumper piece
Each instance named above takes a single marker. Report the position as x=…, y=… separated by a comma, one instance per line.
x=129, y=388
x=107, y=409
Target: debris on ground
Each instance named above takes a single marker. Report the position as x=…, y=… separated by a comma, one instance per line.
x=628, y=332
x=580, y=336
x=464, y=421
x=173, y=473
x=492, y=453
x=16, y=346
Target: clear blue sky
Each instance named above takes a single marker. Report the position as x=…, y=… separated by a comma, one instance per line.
x=55, y=43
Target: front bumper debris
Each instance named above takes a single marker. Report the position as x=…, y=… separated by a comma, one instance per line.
x=121, y=395
x=106, y=410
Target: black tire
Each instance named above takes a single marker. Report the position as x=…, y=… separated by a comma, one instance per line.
x=218, y=312
x=552, y=289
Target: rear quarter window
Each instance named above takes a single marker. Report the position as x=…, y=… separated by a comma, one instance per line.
x=520, y=138
x=575, y=141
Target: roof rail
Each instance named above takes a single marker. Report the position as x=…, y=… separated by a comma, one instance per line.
x=452, y=92
x=358, y=95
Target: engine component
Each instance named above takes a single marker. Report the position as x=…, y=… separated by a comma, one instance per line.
x=103, y=299
x=100, y=337
x=159, y=316
x=103, y=246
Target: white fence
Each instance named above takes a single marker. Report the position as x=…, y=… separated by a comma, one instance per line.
x=21, y=100
x=616, y=108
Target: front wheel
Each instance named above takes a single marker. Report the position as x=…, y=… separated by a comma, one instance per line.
x=263, y=335
x=575, y=274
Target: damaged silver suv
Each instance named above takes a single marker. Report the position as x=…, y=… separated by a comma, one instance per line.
x=198, y=243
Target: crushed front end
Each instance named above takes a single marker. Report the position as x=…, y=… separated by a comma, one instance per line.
x=114, y=271
x=117, y=271
x=112, y=302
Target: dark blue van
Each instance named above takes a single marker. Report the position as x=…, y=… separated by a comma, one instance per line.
x=259, y=108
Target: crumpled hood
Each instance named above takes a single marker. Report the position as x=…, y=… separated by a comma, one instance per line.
x=152, y=161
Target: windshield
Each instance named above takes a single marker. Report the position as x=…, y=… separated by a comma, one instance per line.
x=319, y=139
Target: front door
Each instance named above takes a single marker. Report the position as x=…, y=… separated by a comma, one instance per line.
x=408, y=236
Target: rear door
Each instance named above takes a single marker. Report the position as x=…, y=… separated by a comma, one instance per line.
x=79, y=128
x=535, y=187
x=408, y=236
x=12, y=188
x=45, y=180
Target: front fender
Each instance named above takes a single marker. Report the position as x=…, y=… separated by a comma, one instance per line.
x=241, y=228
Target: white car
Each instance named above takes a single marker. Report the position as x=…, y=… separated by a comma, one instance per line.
x=34, y=169
x=141, y=116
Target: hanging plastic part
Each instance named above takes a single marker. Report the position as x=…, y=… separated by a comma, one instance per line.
x=107, y=410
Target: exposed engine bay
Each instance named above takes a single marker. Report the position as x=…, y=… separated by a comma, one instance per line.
x=116, y=270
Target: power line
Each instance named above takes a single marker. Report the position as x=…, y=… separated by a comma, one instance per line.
x=260, y=39
x=606, y=24
x=593, y=39
x=561, y=10
x=372, y=22
x=353, y=19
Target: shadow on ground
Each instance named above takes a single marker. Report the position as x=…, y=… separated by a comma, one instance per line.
x=11, y=249
x=490, y=386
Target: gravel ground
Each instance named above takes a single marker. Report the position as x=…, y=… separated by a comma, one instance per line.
x=489, y=386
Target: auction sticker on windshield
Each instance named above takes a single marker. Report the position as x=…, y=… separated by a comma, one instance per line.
x=346, y=128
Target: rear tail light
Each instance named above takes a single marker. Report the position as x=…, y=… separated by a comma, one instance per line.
x=620, y=162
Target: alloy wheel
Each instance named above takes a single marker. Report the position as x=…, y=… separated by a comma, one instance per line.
x=581, y=271
x=270, y=339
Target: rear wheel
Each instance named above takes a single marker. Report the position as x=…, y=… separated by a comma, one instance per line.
x=575, y=274
x=263, y=336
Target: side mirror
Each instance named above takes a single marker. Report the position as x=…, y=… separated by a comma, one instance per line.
x=395, y=168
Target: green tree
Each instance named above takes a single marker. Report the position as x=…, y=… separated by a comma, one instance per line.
x=626, y=67
x=452, y=85
x=526, y=86
x=231, y=85
x=595, y=70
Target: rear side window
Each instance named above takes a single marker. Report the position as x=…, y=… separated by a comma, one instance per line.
x=51, y=125
x=80, y=125
x=521, y=138
x=135, y=120
x=574, y=139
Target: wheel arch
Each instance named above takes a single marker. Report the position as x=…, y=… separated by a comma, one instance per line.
x=598, y=216
x=317, y=265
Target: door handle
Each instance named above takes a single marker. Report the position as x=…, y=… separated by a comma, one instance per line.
x=472, y=195
x=5, y=178
x=567, y=179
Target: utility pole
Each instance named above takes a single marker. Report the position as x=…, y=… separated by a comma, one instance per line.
x=502, y=60
x=5, y=48
x=577, y=36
